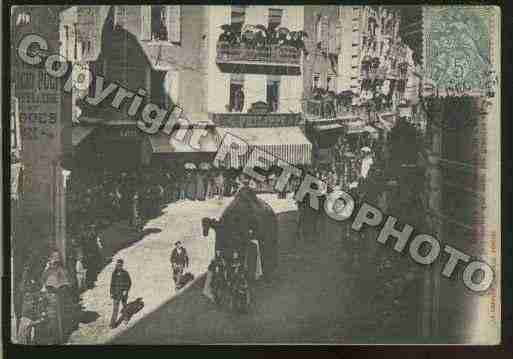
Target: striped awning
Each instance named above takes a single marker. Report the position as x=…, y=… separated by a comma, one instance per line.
x=285, y=143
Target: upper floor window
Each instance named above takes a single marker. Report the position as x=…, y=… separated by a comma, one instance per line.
x=275, y=18
x=238, y=17
x=161, y=23
x=120, y=15
x=236, y=93
x=331, y=83
x=158, y=23
x=66, y=41
x=316, y=81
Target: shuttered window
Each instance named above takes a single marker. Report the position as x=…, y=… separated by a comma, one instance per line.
x=119, y=15
x=275, y=18
x=146, y=22
x=332, y=40
x=324, y=33
x=174, y=19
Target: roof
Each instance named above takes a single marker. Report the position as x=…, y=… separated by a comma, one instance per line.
x=267, y=136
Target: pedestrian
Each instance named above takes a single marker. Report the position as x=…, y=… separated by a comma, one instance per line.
x=217, y=269
x=120, y=285
x=93, y=256
x=219, y=185
x=28, y=318
x=81, y=273
x=179, y=261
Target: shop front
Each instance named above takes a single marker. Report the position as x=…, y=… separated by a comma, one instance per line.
x=278, y=134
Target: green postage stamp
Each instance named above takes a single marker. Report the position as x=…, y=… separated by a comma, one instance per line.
x=459, y=48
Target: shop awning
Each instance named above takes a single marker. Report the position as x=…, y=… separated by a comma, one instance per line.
x=79, y=133
x=286, y=143
x=333, y=126
x=162, y=144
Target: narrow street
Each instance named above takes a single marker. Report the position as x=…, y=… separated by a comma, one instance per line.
x=319, y=294
x=147, y=261
x=310, y=300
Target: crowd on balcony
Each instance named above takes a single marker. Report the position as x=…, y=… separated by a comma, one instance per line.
x=261, y=37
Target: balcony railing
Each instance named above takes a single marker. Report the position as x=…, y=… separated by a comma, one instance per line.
x=276, y=54
x=330, y=109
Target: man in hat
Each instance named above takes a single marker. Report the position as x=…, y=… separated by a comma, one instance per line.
x=119, y=287
x=179, y=261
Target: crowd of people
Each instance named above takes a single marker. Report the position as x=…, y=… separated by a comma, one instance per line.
x=48, y=310
x=229, y=284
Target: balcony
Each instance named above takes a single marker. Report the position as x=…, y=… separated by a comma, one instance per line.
x=325, y=110
x=270, y=59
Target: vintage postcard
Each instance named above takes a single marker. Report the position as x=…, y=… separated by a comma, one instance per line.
x=250, y=174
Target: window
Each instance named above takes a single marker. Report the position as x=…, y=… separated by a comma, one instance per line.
x=236, y=93
x=273, y=93
x=161, y=23
x=331, y=83
x=316, y=81
x=238, y=17
x=275, y=16
x=158, y=23
x=120, y=15
x=75, y=43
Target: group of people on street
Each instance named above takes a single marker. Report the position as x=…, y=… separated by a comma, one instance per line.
x=121, y=283
x=229, y=284
x=48, y=308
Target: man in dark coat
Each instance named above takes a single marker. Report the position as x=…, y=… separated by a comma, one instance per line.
x=179, y=261
x=119, y=287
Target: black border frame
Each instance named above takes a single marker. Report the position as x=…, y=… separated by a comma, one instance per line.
x=504, y=350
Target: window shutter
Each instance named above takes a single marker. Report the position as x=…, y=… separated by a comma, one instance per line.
x=172, y=81
x=325, y=33
x=174, y=23
x=332, y=41
x=146, y=22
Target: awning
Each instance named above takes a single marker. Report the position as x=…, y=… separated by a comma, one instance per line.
x=333, y=126
x=162, y=143
x=176, y=144
x=78, y=133
x=286, y=143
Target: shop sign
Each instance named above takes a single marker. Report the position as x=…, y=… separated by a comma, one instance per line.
x=238, y=120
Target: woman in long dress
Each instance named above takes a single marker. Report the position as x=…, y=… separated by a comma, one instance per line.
x=190, y=186
x=200, y=185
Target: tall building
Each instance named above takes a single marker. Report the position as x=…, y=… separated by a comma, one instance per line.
x=320, y=67
x=257, y=80
x=178, y=56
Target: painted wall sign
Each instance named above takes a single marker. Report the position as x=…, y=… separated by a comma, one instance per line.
x=242, y=120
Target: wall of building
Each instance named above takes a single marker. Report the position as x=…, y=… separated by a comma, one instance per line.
x=218, y=87
x=316, y=63
x=45, y=141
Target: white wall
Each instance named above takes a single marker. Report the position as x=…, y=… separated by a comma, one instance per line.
x=254, y=85
x=218, y=82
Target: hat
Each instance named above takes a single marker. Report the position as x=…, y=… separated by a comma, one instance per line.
x=177, y=243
